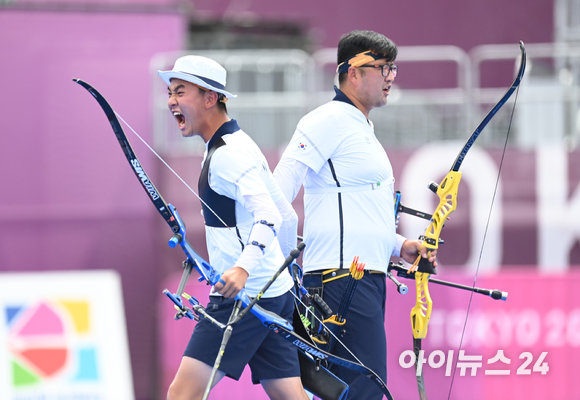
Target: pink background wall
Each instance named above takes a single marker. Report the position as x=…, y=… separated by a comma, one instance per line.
x=67, y=200
x=416, y=22
x=539, y=316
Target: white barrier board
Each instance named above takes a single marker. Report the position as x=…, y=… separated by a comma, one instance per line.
x=63, y=337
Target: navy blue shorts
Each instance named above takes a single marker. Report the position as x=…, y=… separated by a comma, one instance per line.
x=268, y=354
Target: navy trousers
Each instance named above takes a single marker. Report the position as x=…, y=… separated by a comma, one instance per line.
x=365, y=333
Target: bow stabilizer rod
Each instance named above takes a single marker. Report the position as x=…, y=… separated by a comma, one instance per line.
x=405, y=273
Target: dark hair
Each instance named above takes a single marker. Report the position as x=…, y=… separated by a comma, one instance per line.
x=357, y=41
x=221, y=104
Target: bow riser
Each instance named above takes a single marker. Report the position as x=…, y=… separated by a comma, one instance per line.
x=314, y=352
x=447, y=192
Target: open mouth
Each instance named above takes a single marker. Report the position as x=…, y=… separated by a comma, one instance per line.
x=180, y=119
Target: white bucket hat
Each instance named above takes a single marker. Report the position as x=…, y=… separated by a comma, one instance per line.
x=201, y=71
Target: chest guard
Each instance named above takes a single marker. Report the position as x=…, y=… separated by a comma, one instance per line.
x=222, y=205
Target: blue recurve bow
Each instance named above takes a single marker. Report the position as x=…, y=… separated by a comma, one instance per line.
x=207, y=273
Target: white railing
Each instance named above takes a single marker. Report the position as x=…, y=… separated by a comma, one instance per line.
x=276, y=88
x=549, y=100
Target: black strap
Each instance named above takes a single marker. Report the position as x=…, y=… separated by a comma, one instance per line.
x=222, y=205
x=340, y=218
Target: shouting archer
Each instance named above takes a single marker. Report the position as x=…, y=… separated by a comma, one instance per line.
x=244, y=212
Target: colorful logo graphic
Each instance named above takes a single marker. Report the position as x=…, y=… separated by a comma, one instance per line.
x=50, y=341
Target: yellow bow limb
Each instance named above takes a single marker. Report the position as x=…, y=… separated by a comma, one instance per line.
x=421, y=313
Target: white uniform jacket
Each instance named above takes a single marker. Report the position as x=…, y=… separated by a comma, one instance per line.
x=348, y=188
x=237, y=185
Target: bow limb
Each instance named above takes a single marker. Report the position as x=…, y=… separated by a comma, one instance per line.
x=447, y=191
x=171, y=216
x=146, y=183
x=167, y=211
x=316, y=354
